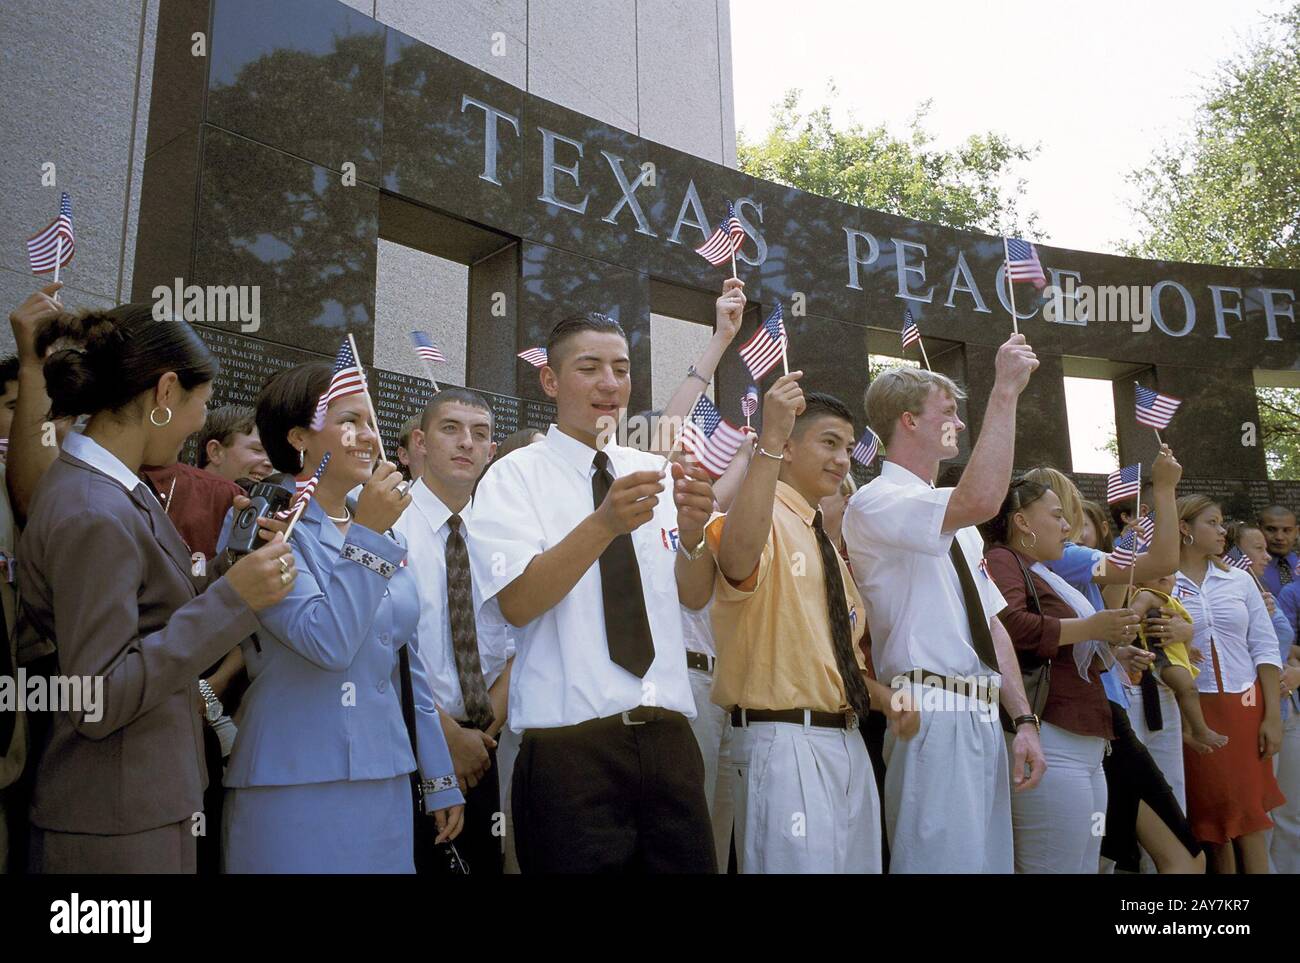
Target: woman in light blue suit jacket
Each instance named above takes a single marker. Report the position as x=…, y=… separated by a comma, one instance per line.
x=318, y=780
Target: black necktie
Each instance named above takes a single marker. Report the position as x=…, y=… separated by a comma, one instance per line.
x=627, y=629
x=1284, y=573
x=837, y=607
x=8, y=717
x=464, y=636
x=979, y=626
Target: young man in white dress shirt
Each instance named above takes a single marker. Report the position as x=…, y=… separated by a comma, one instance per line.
x=609, y=777
x=947, y=792
x=465, y=662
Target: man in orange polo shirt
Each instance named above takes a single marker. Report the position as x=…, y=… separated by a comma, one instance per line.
x=787, y=617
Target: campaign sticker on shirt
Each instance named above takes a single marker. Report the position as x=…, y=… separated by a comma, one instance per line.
x=984, y=566
x=669, y=538
x=853, y=617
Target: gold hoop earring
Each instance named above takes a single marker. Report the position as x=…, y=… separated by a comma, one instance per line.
x=1188, y=540
x=302, y=458
x=1031, y=545
x=160, y=424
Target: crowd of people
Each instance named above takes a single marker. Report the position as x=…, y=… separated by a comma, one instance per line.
x=559, y=653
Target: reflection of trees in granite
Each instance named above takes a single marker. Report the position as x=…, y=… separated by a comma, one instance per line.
x=269, y=219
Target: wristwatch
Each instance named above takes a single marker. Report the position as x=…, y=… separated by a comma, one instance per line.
x=693, y=553
x=213, y=710
x=1030, y=719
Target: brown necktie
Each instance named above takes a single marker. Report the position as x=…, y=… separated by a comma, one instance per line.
x=837, y=608
x=464, y=635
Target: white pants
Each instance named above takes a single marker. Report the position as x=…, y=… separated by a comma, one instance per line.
x=1059, y=823
x=808, y=801
x=1284, y=850
x=1165, y=746
x=947, y=792
x=507, y=749
x=712, y=729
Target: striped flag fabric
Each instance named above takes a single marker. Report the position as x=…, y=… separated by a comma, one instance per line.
x=711, y=438
x=43, y=248
x=347, y=379
x=1146, y=529
x=1155, y=410
x=304, y=488
x=762, y=352
x=865, y=451
x=1123, y=484
x=1126, y=550
x=725, y=241
x=1238, y=559
x=911, y=333
x=749, y=403
x=1186, y=590
x=534, y=356
x=426, y=349
x=1023, y=263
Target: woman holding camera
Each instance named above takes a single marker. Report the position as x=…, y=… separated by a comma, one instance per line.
x=105, y=576
x=319, y=778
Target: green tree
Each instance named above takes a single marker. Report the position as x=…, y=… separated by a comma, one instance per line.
x=1226, y=192
x=1279, y=430
x=963, y=188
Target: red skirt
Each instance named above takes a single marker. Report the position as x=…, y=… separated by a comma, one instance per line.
x=1231, y=790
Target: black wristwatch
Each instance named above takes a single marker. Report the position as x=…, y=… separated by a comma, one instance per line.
x=1030, y=719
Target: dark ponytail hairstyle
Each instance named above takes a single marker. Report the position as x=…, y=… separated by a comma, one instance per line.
x=1020, y=496
x=105, y=359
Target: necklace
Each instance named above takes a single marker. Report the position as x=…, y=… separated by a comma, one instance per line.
x=347, y=516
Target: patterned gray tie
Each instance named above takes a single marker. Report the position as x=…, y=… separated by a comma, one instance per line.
x=464, y=636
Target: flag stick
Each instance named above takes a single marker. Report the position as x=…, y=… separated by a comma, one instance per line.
x=924, y=356
x=733, y=264
x=1011, y=287
x=58, y=257
x=302, y=506
x=365, y=389
x=747, y=425
x=1137, y=514
x=785, y=364
x=428, y=371
x=1158, y=439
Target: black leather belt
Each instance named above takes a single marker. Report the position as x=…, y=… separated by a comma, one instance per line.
x=847, y=719
x=698, y=660
x=985, y=692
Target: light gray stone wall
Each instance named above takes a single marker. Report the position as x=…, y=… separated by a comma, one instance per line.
x=677, y=344
x=75, y=85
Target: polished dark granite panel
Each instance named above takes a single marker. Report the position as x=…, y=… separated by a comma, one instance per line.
x=556, y=284
x=179, y=78
x=1207, y=437
x=302, y=76
x=1042, y=432
x=310, y=243
x=493, y=325
x=164, y=242
x=435, y=147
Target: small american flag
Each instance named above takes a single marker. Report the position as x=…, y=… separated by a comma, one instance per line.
x=4, y=448
x=1123, y=484
x=534, y=356
x=1023, y=263
x=749, y=403
x=1238, y=559
x=710, y=438
x=911, y=333
x=1125, y=551
x=1154, y=409
x=1187, y=590
x=426, y=349
x=43, y=248
x=725, y=241
x=304, y=488
x=1146, y=529
x=347, y=379
x=762, y=352
x=865, y=451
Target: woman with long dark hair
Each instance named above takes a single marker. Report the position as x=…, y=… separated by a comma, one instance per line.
x=105, y=576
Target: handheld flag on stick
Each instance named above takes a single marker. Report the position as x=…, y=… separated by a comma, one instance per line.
x=749, y=403
x=1126, y=550
x=912, y=335
x=723, y=243
x=865, y=451
x=428, y=353
x=1022, y=264
x=370, y=404
x=534, y=356
x=1122, y=484
x=711, y=438
x=1238, y=559
x=304, y=488
x=1155, y=410
x=54, y=246
x=767, y=346
x=347, y=379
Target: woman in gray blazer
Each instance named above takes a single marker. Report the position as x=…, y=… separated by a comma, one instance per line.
x=105, y=576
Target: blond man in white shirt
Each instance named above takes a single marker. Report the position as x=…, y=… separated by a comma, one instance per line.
x=454, y=444
x=609, y=776
x=947, y=801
